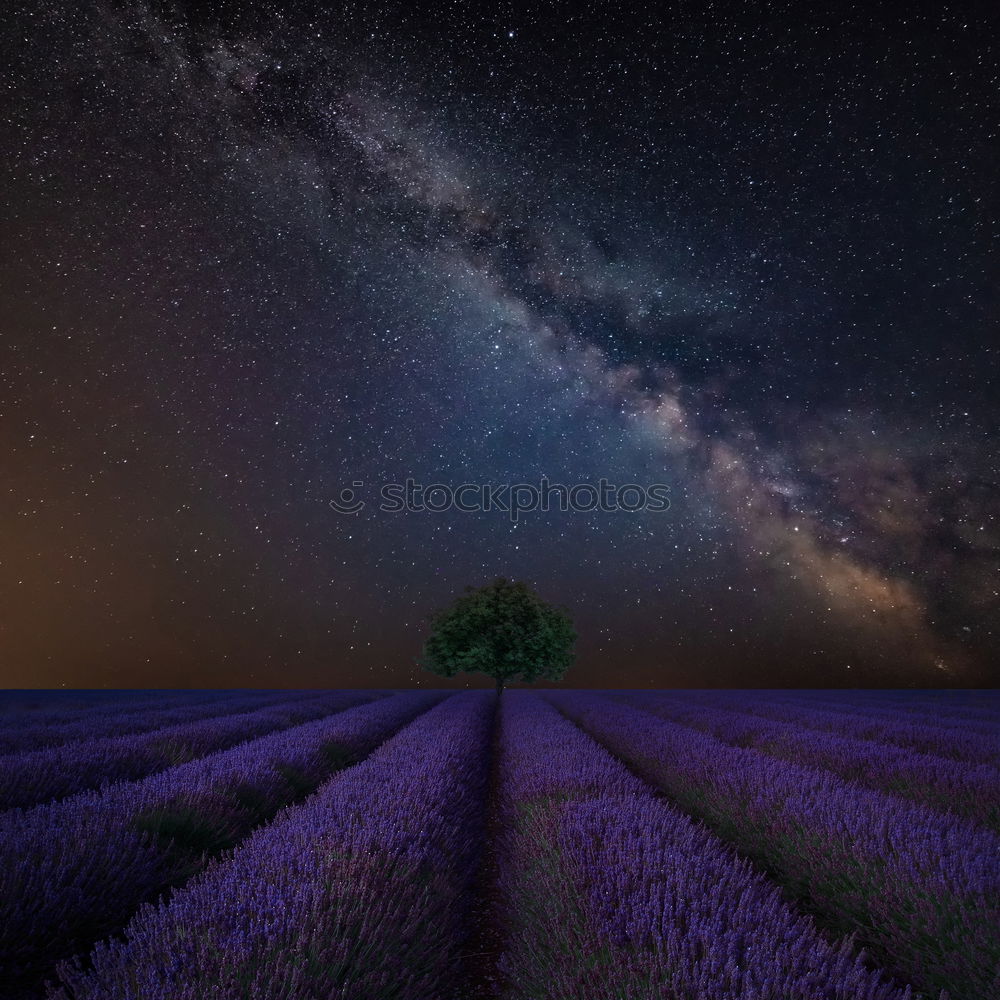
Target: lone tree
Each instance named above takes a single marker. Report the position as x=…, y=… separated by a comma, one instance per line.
x=504, y=630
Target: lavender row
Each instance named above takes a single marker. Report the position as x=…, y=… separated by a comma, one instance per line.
x=76, y=870
x=548, y=935
x=58, y=772
x=130, y=720
x=971, y=790
x=607, y=891
x=870, y=706
x=975, y=720
x=361, y=892
x=31, y=701
x=44, y=710
x=867, y=706
x=940, y=739
x=943, y=703
x=921, y=889
x=947, y=699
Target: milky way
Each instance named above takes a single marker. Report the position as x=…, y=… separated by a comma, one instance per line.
x=252, y=259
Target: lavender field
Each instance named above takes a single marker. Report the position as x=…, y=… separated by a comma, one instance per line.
x=427, y=845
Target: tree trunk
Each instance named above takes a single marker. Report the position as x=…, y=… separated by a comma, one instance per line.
x=499, y=686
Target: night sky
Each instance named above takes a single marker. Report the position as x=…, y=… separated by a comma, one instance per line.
x=251, y=255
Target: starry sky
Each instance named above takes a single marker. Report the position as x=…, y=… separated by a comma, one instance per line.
x=252, y=254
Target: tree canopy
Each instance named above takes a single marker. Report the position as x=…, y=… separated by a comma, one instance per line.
x=504, y=630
